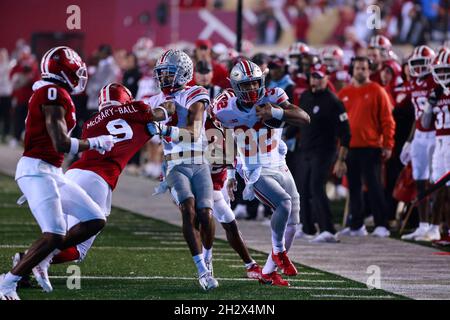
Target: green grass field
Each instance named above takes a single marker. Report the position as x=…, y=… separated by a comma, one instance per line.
x=141, y=258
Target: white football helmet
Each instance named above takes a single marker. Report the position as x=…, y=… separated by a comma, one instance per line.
x=173, y=70
x=243, y=72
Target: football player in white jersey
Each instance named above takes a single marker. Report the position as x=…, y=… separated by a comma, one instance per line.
x=256, y=116
x=188, y=174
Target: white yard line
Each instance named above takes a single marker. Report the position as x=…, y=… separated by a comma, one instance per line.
x=350, y=296
x=185, y=278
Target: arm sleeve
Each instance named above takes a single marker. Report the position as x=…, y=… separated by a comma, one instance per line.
x=386, y=119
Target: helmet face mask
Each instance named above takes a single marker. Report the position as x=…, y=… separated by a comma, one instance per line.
x=249, y=93
x=441, y=74
x=166, y=76
x=418, y=67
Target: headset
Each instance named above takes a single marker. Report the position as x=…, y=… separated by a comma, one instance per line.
x=358, y=58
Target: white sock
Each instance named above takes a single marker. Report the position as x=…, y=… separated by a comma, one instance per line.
x=200, y=264
x=424, y=225
x=10, y=280
x=207, y=254
x=250, y=264
x=289, y=235
x=277, y=245
x=270, y=266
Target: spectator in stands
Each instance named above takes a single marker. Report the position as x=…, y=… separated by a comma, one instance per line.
x=268, y=27
x=372, y=128
x=22, y=76
x=5, y=93
x=317, y=153
x=279, y=76
x=203, y=52
x=301, y=21
x=204, y=76
x=132, y=74
x=105, y=72
x=262, y=60
x=130, y=79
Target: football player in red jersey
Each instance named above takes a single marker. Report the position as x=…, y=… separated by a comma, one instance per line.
x=51, y=117
x=119, y=115
x=438, y=110
x=380, y=50
x=333, y=58
x=420, y=145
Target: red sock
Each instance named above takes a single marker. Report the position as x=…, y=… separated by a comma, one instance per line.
x=67, y=255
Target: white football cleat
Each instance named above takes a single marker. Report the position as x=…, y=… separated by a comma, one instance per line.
x=381, y=232
x=432, y=234
x=301, y=235
x=361, y=232
x=207, y=281
x=418, y=233
x=7, y=293
x=325, y=237
x=41, y=275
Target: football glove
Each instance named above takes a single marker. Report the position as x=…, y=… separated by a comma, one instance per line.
x=101, y=143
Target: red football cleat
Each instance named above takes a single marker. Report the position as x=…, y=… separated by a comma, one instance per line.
x=254, y=272
x=273, y=279
x=284, y=263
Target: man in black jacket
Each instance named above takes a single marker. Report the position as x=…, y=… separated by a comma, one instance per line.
x=317, y=152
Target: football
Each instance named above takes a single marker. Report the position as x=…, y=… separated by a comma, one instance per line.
x=274, y=123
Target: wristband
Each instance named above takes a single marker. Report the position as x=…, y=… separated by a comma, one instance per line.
x=231, y=173
x=277, y=113
x=74, y=145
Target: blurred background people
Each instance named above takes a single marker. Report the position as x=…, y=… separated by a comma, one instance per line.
x=372, y=127
x=106, y=71
x=5, y=94
x=22, y=75
x=204, y=76
x=317, y=153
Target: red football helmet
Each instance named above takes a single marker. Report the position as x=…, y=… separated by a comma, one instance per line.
x=420, y=61
x=113, y=94
x=298, y=49
x=65, y=65
x=332, y=57
x=441, y=68
x=382, y=43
